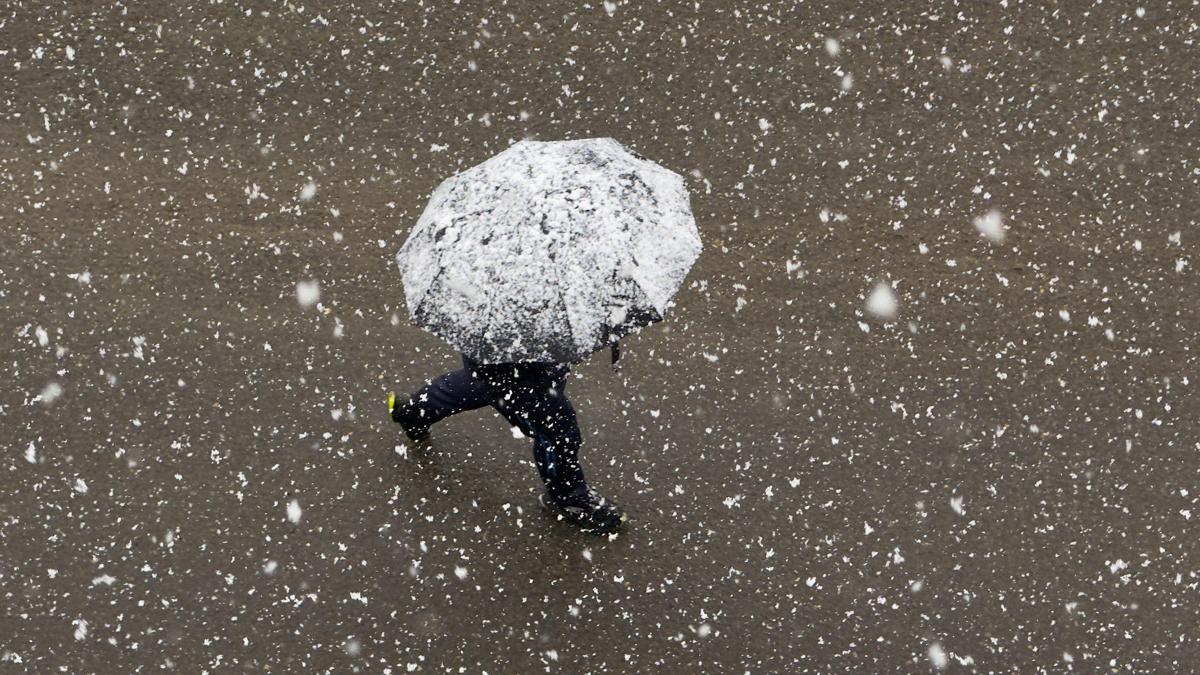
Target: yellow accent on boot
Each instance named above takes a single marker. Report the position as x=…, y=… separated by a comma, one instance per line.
x=391, y=401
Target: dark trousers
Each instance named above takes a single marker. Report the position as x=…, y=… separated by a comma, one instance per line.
x=531, y=396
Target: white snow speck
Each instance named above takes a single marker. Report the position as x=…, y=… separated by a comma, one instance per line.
x=882, y=302
x=294, y=512
x=460, y=572
x=50, y=393
x=764, y=124
x=832, y=47
x=81, y=628
x=937, y=656
x=308, y=292
x=308, y=191
x=991, y=225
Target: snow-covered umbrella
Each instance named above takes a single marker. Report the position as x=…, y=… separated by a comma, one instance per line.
x=549, y=251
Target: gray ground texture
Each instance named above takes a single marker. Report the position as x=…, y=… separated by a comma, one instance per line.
x=992, y=467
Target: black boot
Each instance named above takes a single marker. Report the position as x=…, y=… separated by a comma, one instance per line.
x=567, y=491
x=416, y=432
x=586, y=510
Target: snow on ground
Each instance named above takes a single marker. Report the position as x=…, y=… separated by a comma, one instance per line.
x=202, y=204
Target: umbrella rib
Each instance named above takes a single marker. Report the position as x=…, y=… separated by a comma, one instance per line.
x=428, y=289
x=566, y=313
x=637, y=283
x=441, y=254
x=562, y=299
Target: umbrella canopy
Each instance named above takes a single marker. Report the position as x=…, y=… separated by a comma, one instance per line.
x=549, y=251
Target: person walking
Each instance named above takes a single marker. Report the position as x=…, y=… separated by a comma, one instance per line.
x=533, y=260
x=532, y=397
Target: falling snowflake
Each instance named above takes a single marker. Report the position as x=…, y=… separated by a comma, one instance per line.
x=50, y=393
x=937, y=656
x=294, y=512
x=308, y=293
x=882, y=302
x=991, y=225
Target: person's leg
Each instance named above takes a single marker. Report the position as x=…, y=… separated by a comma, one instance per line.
x=549, y=418
x=534, y=400
x=446, y=395
x=546, y=416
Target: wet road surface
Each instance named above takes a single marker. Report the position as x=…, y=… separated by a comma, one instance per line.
x=199, y=472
